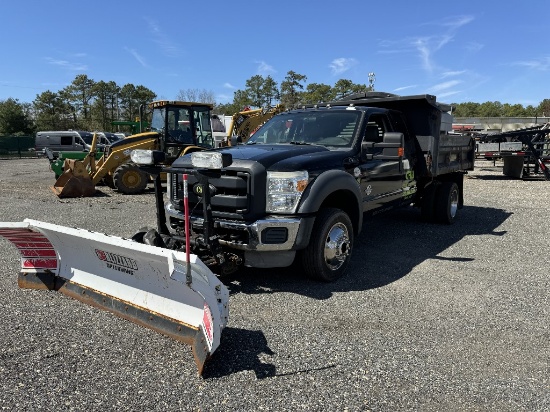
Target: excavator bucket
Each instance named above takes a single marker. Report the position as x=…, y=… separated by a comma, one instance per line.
x=154, y=287
x=75, y=181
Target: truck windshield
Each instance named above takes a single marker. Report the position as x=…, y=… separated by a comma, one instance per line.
x=87, y=137
x=334, y=128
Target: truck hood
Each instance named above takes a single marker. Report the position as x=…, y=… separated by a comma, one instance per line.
x=280, y=157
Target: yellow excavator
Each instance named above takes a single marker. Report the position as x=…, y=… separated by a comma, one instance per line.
x=176, y=128
x=245, y=123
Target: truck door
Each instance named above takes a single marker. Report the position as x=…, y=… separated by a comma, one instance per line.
x=381, y=170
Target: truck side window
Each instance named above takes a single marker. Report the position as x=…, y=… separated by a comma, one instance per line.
x=375, y=129
x=372, y=134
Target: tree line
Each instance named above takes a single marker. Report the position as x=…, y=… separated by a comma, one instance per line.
x=89, y=105
x=497, y=109
x=83, y=105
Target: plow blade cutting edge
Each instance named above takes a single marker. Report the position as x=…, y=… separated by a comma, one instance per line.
x=145, y=284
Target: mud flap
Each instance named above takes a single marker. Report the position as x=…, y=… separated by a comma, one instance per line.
x=144, y=284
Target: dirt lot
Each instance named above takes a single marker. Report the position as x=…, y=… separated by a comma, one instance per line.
x=428, y=317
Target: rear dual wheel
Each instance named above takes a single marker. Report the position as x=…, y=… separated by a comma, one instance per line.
x=427, y=208
x=446, y=204
x=440, y=202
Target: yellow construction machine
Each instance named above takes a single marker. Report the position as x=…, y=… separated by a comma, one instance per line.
x=245, y=123
x=176, y=128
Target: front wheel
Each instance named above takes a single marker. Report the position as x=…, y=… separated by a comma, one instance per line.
x=129, y=179
x=329, y=251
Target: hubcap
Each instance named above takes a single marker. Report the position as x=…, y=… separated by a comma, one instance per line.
x=454, y=203
x=337, y=246
x=131, y=179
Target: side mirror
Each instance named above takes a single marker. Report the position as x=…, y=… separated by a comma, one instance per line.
x=393, y=144
x=365, y=146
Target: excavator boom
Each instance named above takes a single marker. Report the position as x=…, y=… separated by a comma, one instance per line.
x=245, y=123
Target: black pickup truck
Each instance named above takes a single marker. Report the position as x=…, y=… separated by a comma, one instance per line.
x=300, y=186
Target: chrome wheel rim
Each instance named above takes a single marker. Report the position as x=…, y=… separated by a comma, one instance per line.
x=337, y=246
x=454, y=203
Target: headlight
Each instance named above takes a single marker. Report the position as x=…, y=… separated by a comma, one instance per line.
x=147, y=157
x=284, y=190
x=210, y=160
x=142, y=157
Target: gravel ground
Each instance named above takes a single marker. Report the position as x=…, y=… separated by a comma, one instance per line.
x=428, y=317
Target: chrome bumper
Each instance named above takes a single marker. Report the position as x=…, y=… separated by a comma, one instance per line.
x=254, y=230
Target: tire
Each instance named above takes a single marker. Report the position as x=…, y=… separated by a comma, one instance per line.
x=329, y=250
x=427, y=207
x=108, y=180
x=129, y=179
x=446, y=203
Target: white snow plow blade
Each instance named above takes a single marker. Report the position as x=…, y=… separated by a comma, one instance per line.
x=145, y=284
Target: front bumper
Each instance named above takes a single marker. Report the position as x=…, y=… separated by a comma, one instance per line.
x=266, y=235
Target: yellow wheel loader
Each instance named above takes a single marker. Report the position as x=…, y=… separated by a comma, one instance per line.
x=176, y=128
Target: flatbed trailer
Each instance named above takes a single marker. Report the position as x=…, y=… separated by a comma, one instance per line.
x=493, y=151
x=530, y=157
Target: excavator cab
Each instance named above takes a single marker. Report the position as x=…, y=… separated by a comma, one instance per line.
x=176, y=128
